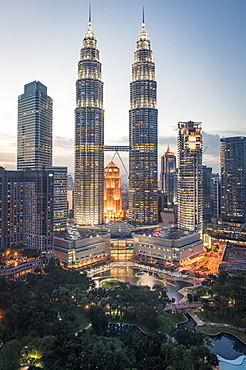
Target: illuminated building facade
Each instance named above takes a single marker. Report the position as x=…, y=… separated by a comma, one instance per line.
x=27, y=209
x=143, y=135
x=169, y=176
x=190, y=192
x=207, y=187
x=112, y=193
x=216, y=195
x=89, y=135
x=60, y=197
x=121, y=242
x=169, y=246
x=233, y=179
x=34, y=137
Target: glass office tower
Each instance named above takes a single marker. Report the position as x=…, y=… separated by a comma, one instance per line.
x=34, y=136
x=143, y=135
x=233, y=179
x=89, y=135
x=190, y=192
x=169, y=176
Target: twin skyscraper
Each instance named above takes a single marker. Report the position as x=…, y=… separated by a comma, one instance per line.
x=89, y=135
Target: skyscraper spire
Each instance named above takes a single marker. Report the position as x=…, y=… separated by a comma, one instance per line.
x=89, y=13
x=89, y=33
x=143, y=34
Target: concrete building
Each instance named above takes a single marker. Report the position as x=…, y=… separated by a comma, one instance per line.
x=60, y=197
x=168, y=246
x=122, y=242
x=207, y=188
x=27, y=209
x=233, y=179
x=82, y=251
x=216, y=194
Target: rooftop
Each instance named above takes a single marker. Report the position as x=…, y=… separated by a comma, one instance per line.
x=172, y=233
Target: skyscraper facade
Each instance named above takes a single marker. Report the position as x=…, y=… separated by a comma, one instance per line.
x=89, y=135
x=27, y=209
x=207, y=188
x=233, y=179
x=112, y=193
x=34, y=136
x=216, y=186
x=169, y=176
x=143, y=135
x=60, y=197
x=190, y=193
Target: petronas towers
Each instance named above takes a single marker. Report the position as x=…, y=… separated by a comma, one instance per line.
x=143, y=135
x=89, y=135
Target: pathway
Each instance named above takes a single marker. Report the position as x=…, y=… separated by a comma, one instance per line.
x=219, y=324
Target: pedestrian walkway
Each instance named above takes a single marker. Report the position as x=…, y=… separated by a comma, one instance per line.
x=219, y=324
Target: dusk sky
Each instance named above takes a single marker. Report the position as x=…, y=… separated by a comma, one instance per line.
x=199, y=50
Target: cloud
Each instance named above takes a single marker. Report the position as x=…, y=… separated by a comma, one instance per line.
x=8, y=160
x=122, y=140
x=228, y=133
x=211, y=147
x=63, y=151
x=8, y=150
x=63, y=144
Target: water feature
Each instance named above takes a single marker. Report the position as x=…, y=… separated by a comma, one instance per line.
x=137, y=277
x=225, y=346
x=119, y=330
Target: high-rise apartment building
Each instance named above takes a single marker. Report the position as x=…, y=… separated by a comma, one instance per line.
x=112, y=193
x=233, y=179
x=207, y=188
x=89, y=135
x=143, y=135
x=34, y=137
x=169, y=177
x=60, y=197
x=216, y=194
x=27, y=209
x=190, y=194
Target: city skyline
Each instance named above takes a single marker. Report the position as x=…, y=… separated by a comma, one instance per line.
x=198, y=52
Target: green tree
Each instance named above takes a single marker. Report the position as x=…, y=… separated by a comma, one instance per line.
x=98, y=319
x=10, y=355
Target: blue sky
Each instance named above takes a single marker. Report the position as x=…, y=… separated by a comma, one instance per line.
x=199, y=52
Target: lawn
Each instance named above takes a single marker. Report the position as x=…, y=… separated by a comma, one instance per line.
x=214, y=318
x=167, y=322
x=81, y=318
x=240, y=273
x=196, y=274
x=112, y=283
x=211, y=329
